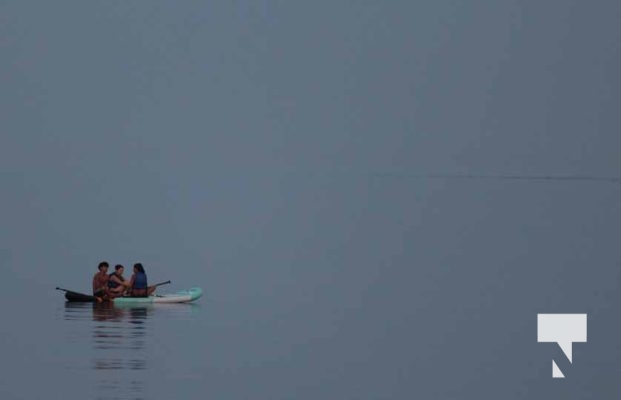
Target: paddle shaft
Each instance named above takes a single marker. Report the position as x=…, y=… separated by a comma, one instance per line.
x=161, y=283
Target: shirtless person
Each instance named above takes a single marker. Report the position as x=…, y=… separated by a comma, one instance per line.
x=100, y=281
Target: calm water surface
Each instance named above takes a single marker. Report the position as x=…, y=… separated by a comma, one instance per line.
x=121, y=348
x=118, y=344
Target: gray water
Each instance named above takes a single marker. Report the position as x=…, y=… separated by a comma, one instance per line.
x=121, y=354
x=373, y=317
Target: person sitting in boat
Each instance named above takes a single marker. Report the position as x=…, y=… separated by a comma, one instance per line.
x=138, y=283
x=117, y=285
x=100, y=281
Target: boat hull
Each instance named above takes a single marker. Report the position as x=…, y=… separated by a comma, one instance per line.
x=183, y=296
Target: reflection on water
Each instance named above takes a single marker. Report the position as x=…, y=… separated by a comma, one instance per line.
x=119, y=343
x=118, y=349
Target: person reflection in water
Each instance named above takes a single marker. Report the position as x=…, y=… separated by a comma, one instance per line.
x=138, y=283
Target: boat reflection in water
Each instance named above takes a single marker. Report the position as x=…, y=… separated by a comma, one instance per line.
x=119, y=343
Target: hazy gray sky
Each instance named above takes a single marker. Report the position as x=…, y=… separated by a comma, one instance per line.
x=265, y=150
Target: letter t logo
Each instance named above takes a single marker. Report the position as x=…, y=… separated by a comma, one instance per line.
x=563, y=329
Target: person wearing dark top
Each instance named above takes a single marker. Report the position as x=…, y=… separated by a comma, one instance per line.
x=117, y=285
x=138, y=283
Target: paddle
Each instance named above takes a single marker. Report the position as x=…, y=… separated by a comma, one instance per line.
x=151, y=288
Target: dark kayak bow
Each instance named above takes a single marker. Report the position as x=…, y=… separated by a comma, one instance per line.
x=70, y=295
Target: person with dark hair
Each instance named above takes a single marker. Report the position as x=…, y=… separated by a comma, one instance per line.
x=138, y=283
x=117, y=285
x=100, y=281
